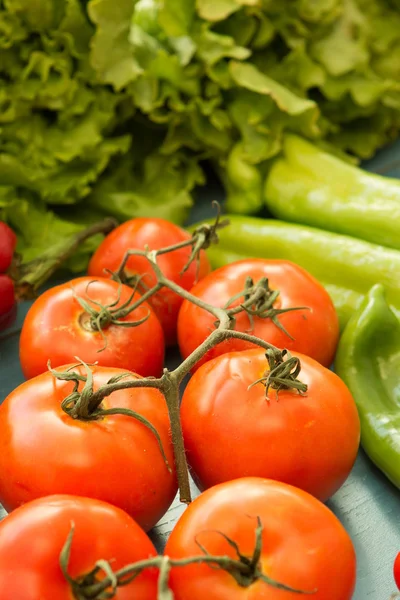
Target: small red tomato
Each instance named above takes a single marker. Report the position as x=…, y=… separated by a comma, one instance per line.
x=7, y=301
x=396, y=570
x=8, y=241
x=304, y=545
x=33, y=536
x=314, y=330
x=156, y=234
x=115, y=458
x=58, y=328
x=309, y=441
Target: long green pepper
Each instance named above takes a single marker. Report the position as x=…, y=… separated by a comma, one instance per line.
x=346, y=266
x=312, y=187
x=368, y=361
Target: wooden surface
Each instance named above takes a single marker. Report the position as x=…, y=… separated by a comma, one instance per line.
x=368, y=505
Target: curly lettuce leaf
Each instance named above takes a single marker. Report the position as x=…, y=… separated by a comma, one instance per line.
x=158, y=186
x=217, y=10
x=42, y=231
x=304, y=113
x=176, y=16
x=39, y=15
x=59, y=163
x=111, y=52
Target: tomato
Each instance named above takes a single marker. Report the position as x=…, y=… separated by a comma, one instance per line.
x=114, y=458
x=309, y=441
x=58, y=328
x=8, y=307
x=396, y=570
x=156, y=233
x=315, y=330
x=33, y=536
x=304, y=545
x=8, y=241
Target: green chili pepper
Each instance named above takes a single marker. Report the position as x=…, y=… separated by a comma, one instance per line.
x=368, y=361
x=313, y=187
x=347, y=267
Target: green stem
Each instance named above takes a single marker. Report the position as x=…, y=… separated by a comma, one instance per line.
x=144, y=297
x=258, y=301
x=244, y=570
x=29, y=277
x=282, y=373
x=104, y=315
x=109, y=388
x=170, y=389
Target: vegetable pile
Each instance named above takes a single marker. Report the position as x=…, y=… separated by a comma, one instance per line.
x=114, y=109
x=95, y=444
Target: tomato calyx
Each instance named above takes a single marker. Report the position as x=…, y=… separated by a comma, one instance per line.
x=258, y=301
x=245, y=570
x=108, y=314
x=282, y=373
x=86, y=404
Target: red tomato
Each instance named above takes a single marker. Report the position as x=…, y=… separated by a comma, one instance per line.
x=156, y=233
x=396, y=570
x=32, y=538
x=308, y=441
x=58, y=328
x=8, y=307
x=116, y=458
x=315, y=330
x=8, y=241
x=304, y=544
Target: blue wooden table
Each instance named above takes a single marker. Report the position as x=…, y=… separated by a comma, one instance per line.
x=368, y=505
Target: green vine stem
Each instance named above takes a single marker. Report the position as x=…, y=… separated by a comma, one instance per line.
x=85, y=405
x=30, y=276
x=258, y=301
x=169, y=383
x=245, y=570
x=282, y=373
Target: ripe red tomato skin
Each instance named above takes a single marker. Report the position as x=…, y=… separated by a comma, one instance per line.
x=308, y=441
x=396, y=570
x=52, y=330
x=315, y=330
x=157, y=234
x=32, y=537
x=116, y=459
x=8, y=241
x=8, y=307
x=304, y=544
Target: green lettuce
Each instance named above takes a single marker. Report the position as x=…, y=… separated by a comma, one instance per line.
x=113, y=107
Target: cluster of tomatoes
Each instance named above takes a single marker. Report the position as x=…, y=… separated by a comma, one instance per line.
x=261, y=455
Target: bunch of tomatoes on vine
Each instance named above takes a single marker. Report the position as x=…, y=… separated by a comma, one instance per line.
x=96, y=443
